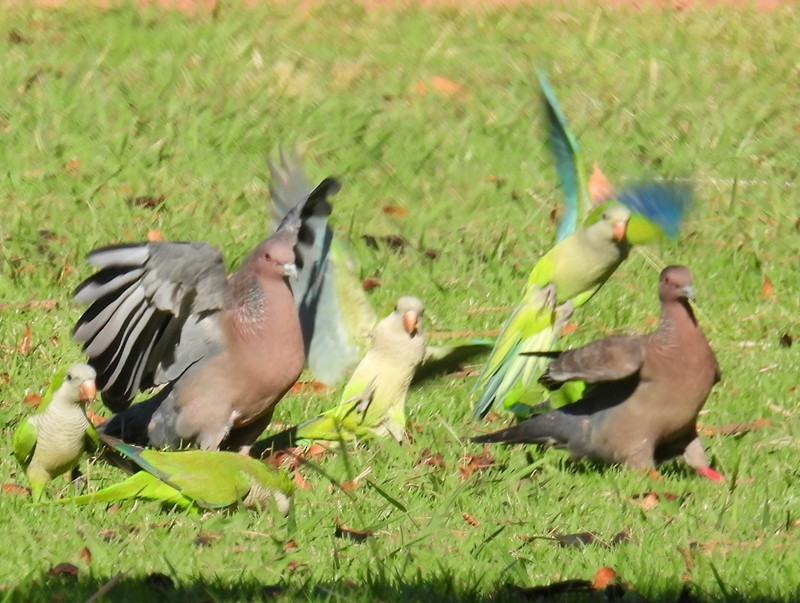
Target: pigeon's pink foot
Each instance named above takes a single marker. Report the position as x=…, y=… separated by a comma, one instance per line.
x=709, y=473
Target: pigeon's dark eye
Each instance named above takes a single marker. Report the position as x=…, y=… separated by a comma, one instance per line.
x=268, y=257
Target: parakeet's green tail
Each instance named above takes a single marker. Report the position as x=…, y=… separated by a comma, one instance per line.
x=138, y=485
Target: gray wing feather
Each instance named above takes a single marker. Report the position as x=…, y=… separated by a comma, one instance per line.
x=608, y=359
x=329, y=348
x=153, y=313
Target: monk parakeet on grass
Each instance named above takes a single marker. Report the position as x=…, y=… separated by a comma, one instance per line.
x=51, y=442
x=569, y=274
x=193, y=479
x=373, y=401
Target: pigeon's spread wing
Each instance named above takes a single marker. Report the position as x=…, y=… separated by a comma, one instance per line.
x=152, y=313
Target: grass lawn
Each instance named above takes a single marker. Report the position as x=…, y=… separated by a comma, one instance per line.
x=116, y=124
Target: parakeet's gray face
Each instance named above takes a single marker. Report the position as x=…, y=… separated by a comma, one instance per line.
x=80, y=382
x=411, y=311
x=614, y=222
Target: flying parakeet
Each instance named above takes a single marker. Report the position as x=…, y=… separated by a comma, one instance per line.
x=373, y=401
x=568, y=275
x=51, y=442
x=193, y=479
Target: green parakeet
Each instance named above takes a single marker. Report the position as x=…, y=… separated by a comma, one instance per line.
x=373, y=401
x=193, y=479
x=568, y=275
x=51, y=442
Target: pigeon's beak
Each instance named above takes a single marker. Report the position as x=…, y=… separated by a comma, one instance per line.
x=87, y=391
x=410, y=320
x=688, y=292
x=290, y=270
x=618, y=230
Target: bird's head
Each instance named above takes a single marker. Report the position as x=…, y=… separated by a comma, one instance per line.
x=609, y=221
x=675, y=284
x=410, y=311
x=79, y=383
x=275, y=259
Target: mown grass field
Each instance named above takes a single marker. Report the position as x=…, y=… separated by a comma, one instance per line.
x=431, y=118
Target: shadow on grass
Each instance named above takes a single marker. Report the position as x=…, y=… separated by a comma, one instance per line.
x=162, y=588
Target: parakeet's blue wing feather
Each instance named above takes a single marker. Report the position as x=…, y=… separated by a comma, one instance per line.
x=564, y=148
x=662, y=203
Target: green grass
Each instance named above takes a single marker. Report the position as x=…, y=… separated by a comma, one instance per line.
x=99, y=107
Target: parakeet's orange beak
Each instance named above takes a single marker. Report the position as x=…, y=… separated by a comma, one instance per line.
x=618, y=230
x=410, y=320
x=87, y=391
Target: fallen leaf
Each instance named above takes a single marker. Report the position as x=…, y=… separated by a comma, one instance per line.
x=64, y=569
x=603, y=577
x=471, y=463
x=25, y=343
x=108, y=535
x=146, y=201
x=428, y=458
x=205, y=539
x=86, y=555
x=600, y=188
x=72, y=167
x=300, y=482
x=370, y=283
x=767, y=290
x=394, y=210
x=470, y=520
x=290, y=545
x=568, y=328
x=395, y=241
x=154, y=235
x=649, y=501
x=785, y=340
x=15, y=489
x=349, y=486
x=420, y=88
x=15, y=37
x=32, y=399
x=431, y=254
x=343, y=531
x=445, y=86
x=578, y=539
x=734, y=428
x=6, y=378
x=315, y=450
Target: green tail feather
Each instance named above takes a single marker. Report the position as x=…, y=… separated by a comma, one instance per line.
x=138, y=485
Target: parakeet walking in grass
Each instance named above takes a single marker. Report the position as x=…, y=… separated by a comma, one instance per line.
x=567, y=276
x=193, y=479
x=51, y=442
x=374, y=400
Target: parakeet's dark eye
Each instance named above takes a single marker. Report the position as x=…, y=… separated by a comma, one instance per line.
x=604, y=216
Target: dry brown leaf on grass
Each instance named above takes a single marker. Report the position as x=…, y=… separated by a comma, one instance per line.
x=344, y=531
x=734, y=428
x=470, y=520
x=767, y=290
x=24, y=345
x=398, y=211
x=16, y=489
x=370, y=283
x=32, y=399
x=470, y=463
x=64, y=569
x=86, y=555
x=430, y=459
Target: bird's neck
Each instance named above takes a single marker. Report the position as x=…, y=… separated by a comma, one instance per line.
x=676, y=317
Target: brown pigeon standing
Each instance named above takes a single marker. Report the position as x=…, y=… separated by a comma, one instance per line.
x=225, y=348
x=643, y=392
